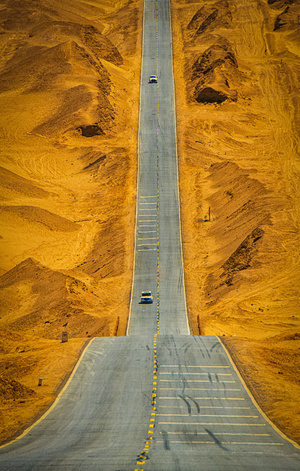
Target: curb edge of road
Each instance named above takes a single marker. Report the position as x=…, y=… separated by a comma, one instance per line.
x=254, y=401
x=51, y=407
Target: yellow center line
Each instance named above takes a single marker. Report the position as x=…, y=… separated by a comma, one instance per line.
x=141, y=459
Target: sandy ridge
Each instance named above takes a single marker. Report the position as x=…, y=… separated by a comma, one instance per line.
x=237, y=112
x=69, y=74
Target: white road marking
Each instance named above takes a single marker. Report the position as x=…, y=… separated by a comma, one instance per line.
x=208, y=415
x=224, y=433
x=146, y=250
x=147, y=238
x=198, y=389
x=209, y=407
x=193, y=366
x=223, y=443
x=219, y=424
x=200, y=381
x=222, y=398
x=142, y=245
x=186, y=373
x=207, y=398
x=189, y=381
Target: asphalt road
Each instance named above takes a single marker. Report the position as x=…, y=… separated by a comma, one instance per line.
x=205, y=419
x=158, y=399
x=158, y=262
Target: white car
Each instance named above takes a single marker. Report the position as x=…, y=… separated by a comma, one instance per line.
x=152, y=79
x=146, y=297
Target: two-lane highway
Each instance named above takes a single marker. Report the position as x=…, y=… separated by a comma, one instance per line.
x=158, y=399
x=158, y=263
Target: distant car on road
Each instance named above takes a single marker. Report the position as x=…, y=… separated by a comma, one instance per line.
x=152, y=79
x=146, y=297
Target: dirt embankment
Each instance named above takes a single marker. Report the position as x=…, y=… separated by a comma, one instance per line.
x=237, y=86
x=69, y=92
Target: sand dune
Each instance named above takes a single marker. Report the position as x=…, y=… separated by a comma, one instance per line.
x=69, y=73
x=11, y=183
x=55, y=302
x=238, y=125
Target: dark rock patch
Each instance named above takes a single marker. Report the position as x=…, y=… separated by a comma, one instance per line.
x=91, y=130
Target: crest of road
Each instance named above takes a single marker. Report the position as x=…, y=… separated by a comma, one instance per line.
x=158, y=399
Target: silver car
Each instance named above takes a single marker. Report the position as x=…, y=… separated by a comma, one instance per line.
x=152, y=79
x=146, y=297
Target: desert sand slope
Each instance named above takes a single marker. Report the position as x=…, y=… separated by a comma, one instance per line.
x=237, y=71
x=69, y=91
